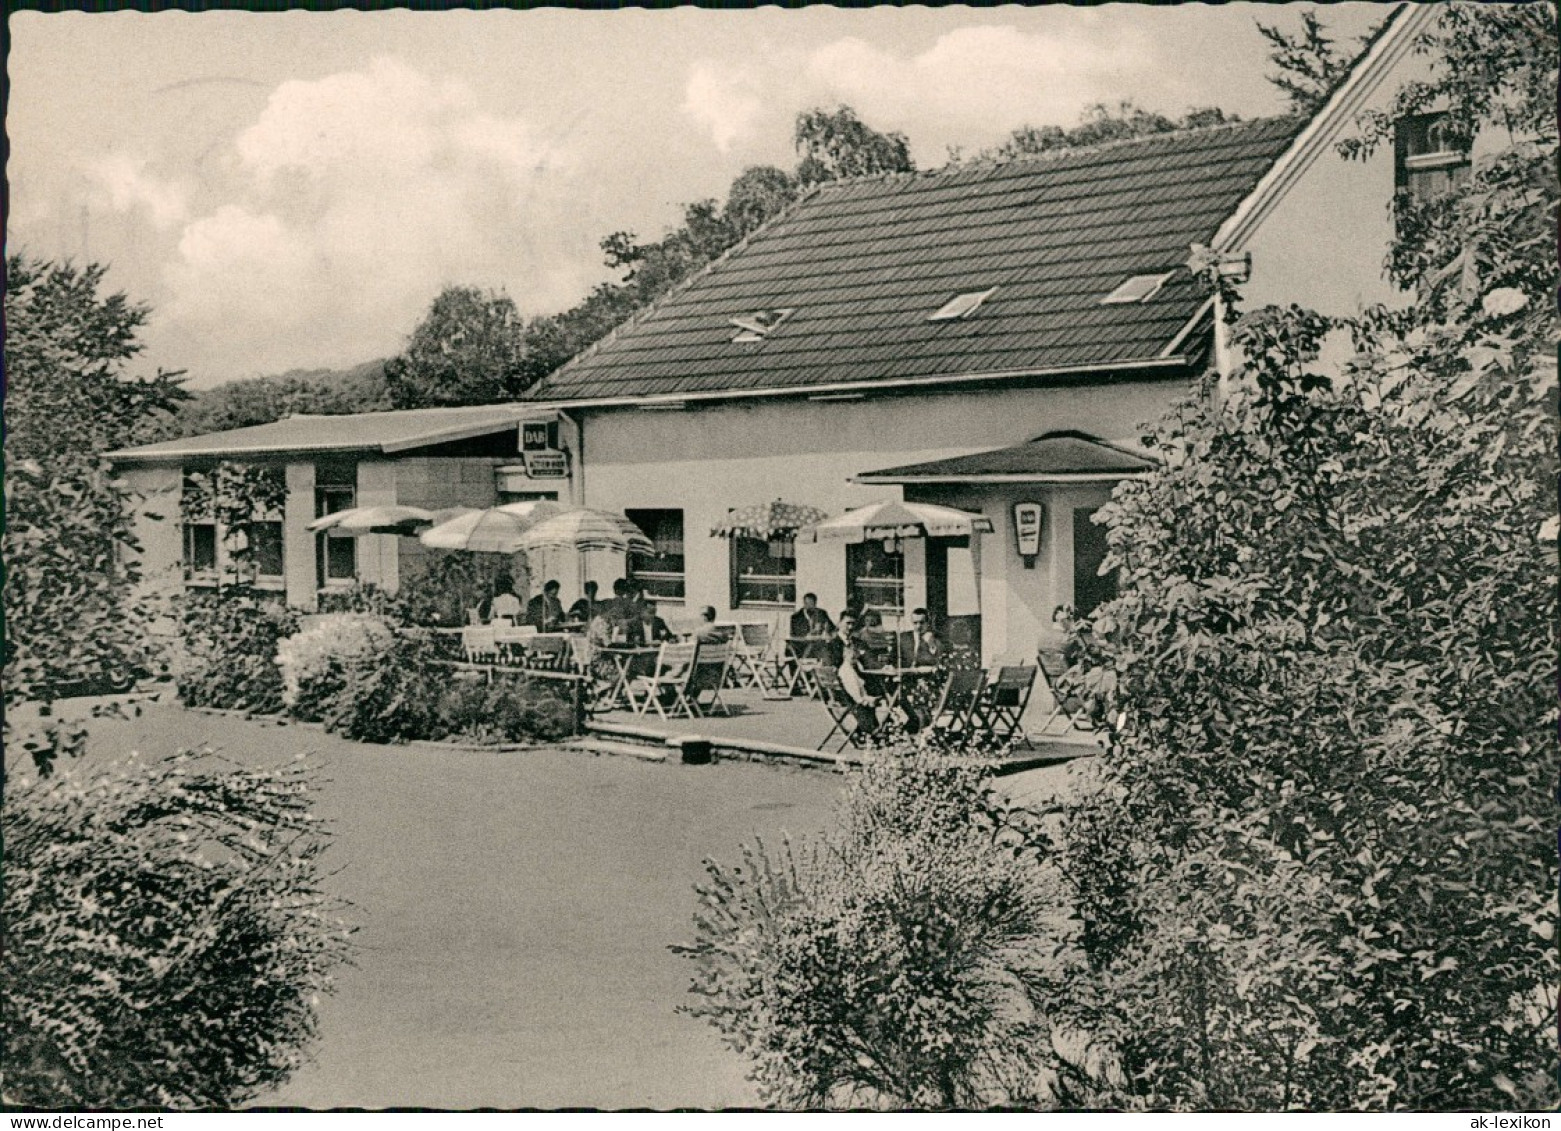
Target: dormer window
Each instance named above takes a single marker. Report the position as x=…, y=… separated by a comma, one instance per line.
x=961, y=306
x=757, y=326
x=1427, y=159
x=1140, y=288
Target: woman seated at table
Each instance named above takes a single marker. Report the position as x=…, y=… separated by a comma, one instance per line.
x=844, y=655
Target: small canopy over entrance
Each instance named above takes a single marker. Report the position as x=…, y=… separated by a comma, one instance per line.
x=1057, y=457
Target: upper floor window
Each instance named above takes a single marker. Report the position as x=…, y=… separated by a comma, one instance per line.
x=661, y=574
x=1427, y=159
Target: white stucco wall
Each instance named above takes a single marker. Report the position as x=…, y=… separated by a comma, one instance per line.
x=707, y=460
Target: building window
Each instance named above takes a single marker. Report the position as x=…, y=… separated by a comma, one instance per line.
x=1090, y=588
x=1428, y=160
x=875, y=576
x=200, y=549
x=661, y=574
x=764, y=572
x=336, y=556
x=265, y=548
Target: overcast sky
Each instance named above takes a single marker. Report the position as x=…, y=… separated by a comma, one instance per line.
x=291, y=189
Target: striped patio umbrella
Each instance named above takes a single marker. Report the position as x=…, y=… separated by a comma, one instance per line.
x=357, y=521
x=897, y=520
x=580, y=528
x=766, y=520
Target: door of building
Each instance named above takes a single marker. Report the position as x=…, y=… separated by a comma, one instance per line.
x=960, y=628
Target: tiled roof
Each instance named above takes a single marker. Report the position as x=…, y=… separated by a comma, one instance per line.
x=1060, y=455
x=351, y=432
x=861, y=264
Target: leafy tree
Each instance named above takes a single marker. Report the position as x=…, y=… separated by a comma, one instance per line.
x=1309, y=65
x=73, y=622
x=66, y=345
x=1099, y=124
x=166, y=935
x=1320, y=871
x=836, y=144
x=470, y=348
x=260, y=400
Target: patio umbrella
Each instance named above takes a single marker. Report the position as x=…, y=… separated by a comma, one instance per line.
x=767, y=520
x=490, y=531
x=357, y=521
x=897, y=520
x=581, y=528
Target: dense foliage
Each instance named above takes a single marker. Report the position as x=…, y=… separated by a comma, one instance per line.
x=884, y=964
x=72, y=621
x=166, y=937
x=1321, y=871
x=229, y=640
x=314, y=661
x=260, y=400
x=1097, y=125
x=1309, y=65
x=470, y=348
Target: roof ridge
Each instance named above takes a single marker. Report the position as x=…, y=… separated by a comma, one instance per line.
x=1060, y=153
x=676, y=289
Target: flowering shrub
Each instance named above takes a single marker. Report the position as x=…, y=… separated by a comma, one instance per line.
x=314, y=662
x=230, y=638
x=885, y=963
x=166, y=938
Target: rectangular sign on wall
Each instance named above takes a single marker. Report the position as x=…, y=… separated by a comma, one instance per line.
x=536, y=435
x=1027, y=528
x=547, y=465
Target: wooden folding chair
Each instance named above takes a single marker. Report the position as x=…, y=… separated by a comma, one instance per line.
x=844, y=712
x=1000, y=706
x=1071, y=704
x=669, y=679
x=547, y=653
x=951, y=717
x=711, y=665
x=751, y=656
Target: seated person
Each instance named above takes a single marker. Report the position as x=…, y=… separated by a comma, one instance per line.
x=707, y=631
x=653, y=630
x=810, y=620
x=503, y=603
x=599, y=631
x=844, y=655
x=583, y=611
x=545, y=610
x=921, y=647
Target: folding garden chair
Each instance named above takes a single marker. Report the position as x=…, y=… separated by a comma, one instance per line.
x=711, y=664
x=844, y=712
x=547, y=653
x=951, y=717
x=668, y=680
x=1072, y=705
x=751, y=656
x=1000, y=707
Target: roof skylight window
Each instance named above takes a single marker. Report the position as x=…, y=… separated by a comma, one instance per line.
x=1140, y=288
x=757, y=326
x=960, y=306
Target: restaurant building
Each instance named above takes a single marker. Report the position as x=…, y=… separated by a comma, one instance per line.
x=990, y=337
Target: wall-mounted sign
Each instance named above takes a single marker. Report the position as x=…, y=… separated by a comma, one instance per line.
x=538, y=435
x=547, y=465
x=1027, y=531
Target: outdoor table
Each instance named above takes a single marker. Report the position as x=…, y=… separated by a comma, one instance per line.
x=894, y=681
x=623, y=658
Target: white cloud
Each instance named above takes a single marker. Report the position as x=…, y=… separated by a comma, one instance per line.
x=358, y=196
x=970, y=87
x=726, y=103
x=128, y=187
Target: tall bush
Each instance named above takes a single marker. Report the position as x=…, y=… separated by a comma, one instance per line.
x=230, y=638
x=883, y=964
x=166, y=937
x=315, y=661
